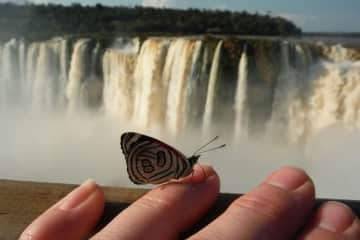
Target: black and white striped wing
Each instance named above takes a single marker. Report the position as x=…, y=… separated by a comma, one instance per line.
x=152, y=161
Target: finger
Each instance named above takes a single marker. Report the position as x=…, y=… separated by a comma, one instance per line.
x=276, y=209
x=167, y=210
x=332, y=221
x=73, y=217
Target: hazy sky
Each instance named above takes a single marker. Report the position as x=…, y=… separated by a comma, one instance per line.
x=310, y=15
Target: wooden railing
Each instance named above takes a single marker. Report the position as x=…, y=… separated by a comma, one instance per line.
x=21, y=202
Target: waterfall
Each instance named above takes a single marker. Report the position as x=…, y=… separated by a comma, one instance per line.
x=77, y=73
x=22, y=66
x=118, y=94
x=31, y=66
x=336, y=95
x=63, y=69
x=149, y=88
x=338, y=53
x=305, y=104
x=9, y=78
x=183, y=84
x=46, y=74
x=241, y=111
x=207, y=119
x=287, y=110
x=196, y=86
x=94, y=58
x=177, y=73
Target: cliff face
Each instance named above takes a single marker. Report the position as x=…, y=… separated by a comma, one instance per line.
x=235, y=86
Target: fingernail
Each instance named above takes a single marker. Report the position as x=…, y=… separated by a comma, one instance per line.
x=78, y=195
x=335, y=217
x=200, y=174
x=211, y=174
x=205, y=172
x=288, y=178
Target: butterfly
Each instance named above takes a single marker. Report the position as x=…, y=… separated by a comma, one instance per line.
x=151, y=161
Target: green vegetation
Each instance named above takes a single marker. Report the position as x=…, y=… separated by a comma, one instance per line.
x=44, y=21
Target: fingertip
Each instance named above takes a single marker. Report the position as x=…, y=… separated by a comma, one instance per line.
x=79, y=195
x=334, y=217
x=333, y=220
x=77, y=212
x=288, y=178
x=268, y=210
x=201, y=173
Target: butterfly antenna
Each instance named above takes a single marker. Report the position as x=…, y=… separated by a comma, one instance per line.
x=216, y=137
x=212, y=149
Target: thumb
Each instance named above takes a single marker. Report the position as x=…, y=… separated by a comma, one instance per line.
x=73, y=217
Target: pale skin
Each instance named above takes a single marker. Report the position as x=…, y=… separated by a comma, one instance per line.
x=278, y=208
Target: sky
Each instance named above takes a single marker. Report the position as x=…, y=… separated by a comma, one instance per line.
x=310, y=15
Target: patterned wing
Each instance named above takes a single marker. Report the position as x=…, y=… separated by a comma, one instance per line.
x=152, y=161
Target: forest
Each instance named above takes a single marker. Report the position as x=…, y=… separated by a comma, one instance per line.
x=38, y=22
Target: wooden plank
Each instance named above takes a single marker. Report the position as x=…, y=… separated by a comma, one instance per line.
x=21, y=202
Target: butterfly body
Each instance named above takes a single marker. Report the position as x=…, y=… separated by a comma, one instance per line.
x=152, y=161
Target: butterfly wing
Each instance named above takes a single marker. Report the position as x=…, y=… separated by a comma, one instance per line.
x=152, y=161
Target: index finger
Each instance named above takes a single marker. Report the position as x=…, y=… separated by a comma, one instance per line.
x=168, y=210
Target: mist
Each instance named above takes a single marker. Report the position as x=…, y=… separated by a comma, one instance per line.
x=68, y=148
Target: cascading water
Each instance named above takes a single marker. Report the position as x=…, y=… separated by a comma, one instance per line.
x=336, y=96
x=149, y=89
x=64, y=69
x=31, y=65
x=172, y=83
x=306, y=103
x=22, y=57
x=9, y=78
x=214, y=74
x=241, y=111
x=118, y=70
x=195, y=92
x=79, y=68
x=177, y=74
x=46, y=76
x=287, y=105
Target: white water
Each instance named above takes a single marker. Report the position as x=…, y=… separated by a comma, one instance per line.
x=147, y=89
x=118, y=70
x=211, y=89
x=148, y=85
x=77, y=74
x=9, y=81
x=179, y=77
x=287, y=102
x=241, y=111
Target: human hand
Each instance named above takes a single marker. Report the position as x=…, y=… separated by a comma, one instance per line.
x=281, y=207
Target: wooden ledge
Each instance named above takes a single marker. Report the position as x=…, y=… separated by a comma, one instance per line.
x=22, y=201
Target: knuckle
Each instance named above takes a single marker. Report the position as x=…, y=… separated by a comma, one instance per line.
x=154, y=203
x=267, y=201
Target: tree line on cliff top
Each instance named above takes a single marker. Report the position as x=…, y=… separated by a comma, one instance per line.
x=43, y=21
